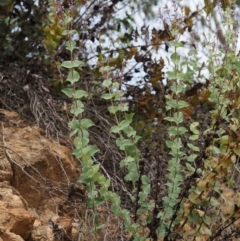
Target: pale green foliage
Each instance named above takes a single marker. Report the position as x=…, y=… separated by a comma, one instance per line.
x=127, y=141
x=91, y=176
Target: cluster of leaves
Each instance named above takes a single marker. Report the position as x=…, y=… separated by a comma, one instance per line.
x=190, y=125
x=97, y=185
x=198, y=161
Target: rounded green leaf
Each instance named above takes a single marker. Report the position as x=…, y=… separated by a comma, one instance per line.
x=108, y=96
x=86, y=123
x=72, y=64
x=79, y=94
x=115, y=129
x=191, y=146
x=113, y=109
x=175, y=57
x=73, y=76
x=107, y=83
x=70, y=45
x=68, y=92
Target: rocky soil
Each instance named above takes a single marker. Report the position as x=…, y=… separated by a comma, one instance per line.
x=39, y=197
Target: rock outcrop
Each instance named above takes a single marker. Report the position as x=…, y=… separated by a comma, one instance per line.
x=16, y=220
x=36, y=173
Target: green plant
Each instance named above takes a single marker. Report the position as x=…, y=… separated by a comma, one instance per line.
x=199, y=155
x=96, y=184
